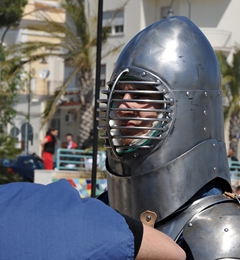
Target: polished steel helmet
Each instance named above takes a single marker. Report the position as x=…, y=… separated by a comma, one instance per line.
x=171, y=65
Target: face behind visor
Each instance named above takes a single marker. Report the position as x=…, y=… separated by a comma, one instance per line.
x=137, y=114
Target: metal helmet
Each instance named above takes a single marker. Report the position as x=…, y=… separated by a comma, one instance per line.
x=172, y=64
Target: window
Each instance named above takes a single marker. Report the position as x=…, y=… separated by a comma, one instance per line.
x=103, y=77
x=119, y=29
x=165, y=12
x=115, y=21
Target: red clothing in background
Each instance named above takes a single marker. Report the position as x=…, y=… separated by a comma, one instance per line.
x=47, y=160
x=47, y=157
x=72, y=145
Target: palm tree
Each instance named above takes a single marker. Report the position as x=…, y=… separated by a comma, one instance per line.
x=9, y=91
x=231, y=95
x=77, y=37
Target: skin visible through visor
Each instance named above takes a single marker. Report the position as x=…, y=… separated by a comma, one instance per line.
x=137, y=114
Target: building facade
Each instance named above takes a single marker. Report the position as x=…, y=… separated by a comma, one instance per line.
x=218, y=19
x=45, y=75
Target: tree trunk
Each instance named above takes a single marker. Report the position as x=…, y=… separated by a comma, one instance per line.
x=86, y=122
x=234, y=132
x=86, y=109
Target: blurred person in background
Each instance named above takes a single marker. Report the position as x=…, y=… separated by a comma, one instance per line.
x=237, y=190
x=71, y=143
x=232, y=158
x=48, y=145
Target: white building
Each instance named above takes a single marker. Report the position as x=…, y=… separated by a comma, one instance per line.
x=218, y=19
x=46, y=76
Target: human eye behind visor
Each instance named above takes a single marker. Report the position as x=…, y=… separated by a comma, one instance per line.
x=131, y=94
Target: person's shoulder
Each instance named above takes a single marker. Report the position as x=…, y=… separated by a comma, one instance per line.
x=74, y=216
x=49, y=137
x=17, y=191
x=74, y=145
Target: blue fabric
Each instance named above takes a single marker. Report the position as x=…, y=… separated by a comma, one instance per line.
x=211, y=188
x=53, y=222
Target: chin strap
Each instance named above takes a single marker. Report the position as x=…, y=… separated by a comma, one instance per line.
x=232, y=195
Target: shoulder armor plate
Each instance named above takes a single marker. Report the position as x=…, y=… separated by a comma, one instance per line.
x=214, y=232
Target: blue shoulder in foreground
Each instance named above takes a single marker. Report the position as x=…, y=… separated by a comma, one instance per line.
x=53, y=222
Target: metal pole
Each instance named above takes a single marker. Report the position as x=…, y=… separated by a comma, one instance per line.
x=28, y=120
x=189, y=9
x=26, y=138
x=28, y=111
x=97, y=90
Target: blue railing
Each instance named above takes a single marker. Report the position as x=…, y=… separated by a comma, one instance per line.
x=78, y=160
x=234, y=167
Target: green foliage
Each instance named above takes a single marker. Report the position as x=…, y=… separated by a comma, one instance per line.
x=230, y=82
x=9, y=90
x=231, y=94
x=8, y=150
x=8, y=146
x=10, y=84
x=78, y=38
x=8, y=177
x=11, y=12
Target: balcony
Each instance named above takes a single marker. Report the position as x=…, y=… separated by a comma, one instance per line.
x=219, y=39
